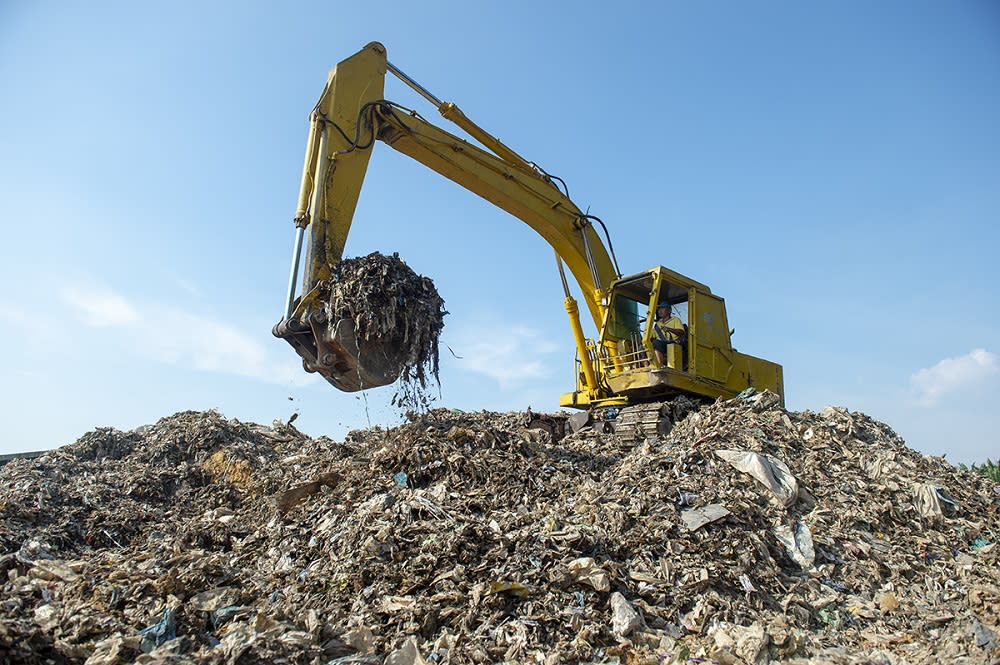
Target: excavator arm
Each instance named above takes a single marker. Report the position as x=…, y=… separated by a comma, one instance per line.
x=623, y=367
x=349, y=118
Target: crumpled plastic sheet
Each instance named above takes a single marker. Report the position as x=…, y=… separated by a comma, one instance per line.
x=771, y=473
x=407, y=654
x=585, y=569
x=162, y=631
x=798, y=543
x=932, y=501
x=624, y=618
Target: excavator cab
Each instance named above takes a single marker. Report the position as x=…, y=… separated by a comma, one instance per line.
x=676, y=296
x=705, y=364
x=629, y=332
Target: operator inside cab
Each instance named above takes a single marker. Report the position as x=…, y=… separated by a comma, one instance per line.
x=668, y=338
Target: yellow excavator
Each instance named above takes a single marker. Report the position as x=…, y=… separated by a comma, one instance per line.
x=621, y=366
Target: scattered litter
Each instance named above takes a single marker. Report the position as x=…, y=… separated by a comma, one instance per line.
x=160, y=632
x=747, y=584
x=887, y=602
x=586, y=570
x=985, y=638
x=624, y=618
x=501, y=543
x=932, y=501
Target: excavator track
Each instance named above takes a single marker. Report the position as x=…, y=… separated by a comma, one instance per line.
x=655, y=419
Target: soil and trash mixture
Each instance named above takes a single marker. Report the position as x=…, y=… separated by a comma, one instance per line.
x=398, y=316
x=747, y=534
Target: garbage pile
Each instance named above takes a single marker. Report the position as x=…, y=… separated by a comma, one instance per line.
x=746, y=534
x=397, y=314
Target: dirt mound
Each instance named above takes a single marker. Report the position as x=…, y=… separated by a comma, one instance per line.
x=748, y=534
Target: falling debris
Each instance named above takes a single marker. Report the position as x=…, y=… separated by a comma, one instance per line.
x=473, y=538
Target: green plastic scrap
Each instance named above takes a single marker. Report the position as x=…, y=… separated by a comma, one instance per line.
x=220, y=616
x=830, y=617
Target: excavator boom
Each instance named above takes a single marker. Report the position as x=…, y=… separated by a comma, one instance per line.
x=349, y=118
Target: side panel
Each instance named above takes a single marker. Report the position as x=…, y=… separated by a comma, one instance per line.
x=708, y=334
x=759, y=373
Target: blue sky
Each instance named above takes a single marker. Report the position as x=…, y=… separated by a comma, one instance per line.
x=831, y=169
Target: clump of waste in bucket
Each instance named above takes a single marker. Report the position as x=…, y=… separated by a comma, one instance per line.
x=397, y=316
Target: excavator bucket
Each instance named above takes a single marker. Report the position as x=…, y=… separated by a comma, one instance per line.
x=334, y=350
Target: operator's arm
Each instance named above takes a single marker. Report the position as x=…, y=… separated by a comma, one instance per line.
x=673, y=327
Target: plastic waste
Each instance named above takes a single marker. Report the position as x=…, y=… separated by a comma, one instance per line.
x=513, y=588
x=407, y=654
x=932, y=502
x=624, y=618
x=771, y=473
x=163, y=630
x=695, y=518
x=586, y=570
x=798, y=543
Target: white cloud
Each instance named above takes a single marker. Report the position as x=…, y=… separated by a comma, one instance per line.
x=187, y=286
x=15, y=316
x=101, y=308
x=175, y=337
x=951, y=375
x=510, y=355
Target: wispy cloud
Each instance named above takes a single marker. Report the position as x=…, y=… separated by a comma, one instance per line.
x=952, y=375
x=187, y=286
x=100, y=307
x=173, y=336
x=510, y=355
x=15, y=316
x=38, y=329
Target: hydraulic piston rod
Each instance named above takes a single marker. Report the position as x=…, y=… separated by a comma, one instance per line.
x=293, y=276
